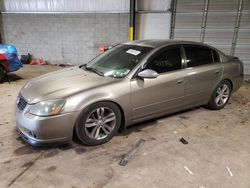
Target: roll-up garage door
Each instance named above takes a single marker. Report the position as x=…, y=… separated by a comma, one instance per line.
x=224, y=24
x=153, y=19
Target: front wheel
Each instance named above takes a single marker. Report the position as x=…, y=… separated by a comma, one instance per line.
x=98, y=123
x=220, y=96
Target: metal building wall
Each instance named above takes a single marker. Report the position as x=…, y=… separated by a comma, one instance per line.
x=224, y=24
x=63, y=31
x=70, y=31
x=155, y=5
x=153, y=19
x=108, y=6
x=242, y=49
x=64, y=38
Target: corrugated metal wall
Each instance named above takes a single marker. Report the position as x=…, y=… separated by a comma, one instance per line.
x=155, y=5
x=215, y=22
x=152, y=26
x=153, y=19
x=242, y=49
x=108, y=6
x=119, y=6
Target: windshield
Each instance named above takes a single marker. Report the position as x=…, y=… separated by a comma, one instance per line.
x=118, y=61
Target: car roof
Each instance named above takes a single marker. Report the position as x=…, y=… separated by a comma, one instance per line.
x=156, y=43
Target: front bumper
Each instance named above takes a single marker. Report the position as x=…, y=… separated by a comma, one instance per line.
x=37, y=130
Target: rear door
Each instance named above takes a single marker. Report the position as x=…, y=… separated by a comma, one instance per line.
x=150, y=97
x=203, y=71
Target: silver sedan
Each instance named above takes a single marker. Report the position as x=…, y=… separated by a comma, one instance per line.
x=129, y=83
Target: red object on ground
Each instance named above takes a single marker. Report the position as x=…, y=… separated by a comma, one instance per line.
x=40, y=61
x=2, y=57
x=4, y=62
x=33, y=62
x=5, y=65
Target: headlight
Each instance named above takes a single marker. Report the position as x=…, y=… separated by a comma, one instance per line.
x=48, y=108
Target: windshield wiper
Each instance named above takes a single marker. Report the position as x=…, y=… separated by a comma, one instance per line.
x=93, y=70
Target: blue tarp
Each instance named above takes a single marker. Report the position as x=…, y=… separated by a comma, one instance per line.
x=10, y=53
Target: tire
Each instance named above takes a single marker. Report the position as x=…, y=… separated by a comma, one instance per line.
x=2, y=74
x=98, y=123
x=220, y=96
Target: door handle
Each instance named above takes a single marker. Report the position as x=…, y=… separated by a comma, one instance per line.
x=179, y=82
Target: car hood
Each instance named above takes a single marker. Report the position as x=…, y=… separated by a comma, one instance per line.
x=62, y=83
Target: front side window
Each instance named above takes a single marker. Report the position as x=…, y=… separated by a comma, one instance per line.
x=118, y=61
x=198, y=55
x=168, y=60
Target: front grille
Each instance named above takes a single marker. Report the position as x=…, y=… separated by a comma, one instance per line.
x=21, y=104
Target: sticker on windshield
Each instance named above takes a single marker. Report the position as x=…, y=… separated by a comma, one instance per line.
x=133, y=52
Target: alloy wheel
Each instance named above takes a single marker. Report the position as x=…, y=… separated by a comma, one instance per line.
x=100, y=123
x=222, y=95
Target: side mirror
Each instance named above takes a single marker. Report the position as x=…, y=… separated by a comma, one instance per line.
x=148, y=73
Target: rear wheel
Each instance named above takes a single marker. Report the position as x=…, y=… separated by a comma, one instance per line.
x=220, y=96
x=2, y=74
x=98, y=123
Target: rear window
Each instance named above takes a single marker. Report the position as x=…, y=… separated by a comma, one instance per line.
x=198, y=55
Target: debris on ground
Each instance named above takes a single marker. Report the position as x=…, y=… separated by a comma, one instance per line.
x=184, y=117
x=26, y=59
x=229, y=171
x=247, y=81
x=186, y=168
x=131, y=152
x=62, y=65
x=183, y=140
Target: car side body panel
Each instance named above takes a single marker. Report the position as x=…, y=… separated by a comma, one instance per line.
x=201, y=81
x=118, y=93
x=233, y=71
x=154, y=96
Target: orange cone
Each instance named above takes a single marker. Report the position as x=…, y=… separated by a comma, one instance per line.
x=40, y=61
x=33, y=62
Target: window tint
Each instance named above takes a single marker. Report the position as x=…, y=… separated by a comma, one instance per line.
x=198, y=56
x=165, y=61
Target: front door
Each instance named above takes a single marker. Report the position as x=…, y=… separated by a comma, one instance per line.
x=150, y=97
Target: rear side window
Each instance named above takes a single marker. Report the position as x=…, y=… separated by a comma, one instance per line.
x=215, y=56
x=197, y=56
x=165, y=61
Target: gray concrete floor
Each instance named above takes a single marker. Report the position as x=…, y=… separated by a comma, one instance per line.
x=217, y=140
